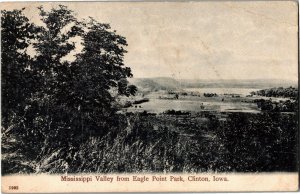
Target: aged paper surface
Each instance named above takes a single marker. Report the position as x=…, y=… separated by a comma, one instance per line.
x=149, y=96
x=236, y=182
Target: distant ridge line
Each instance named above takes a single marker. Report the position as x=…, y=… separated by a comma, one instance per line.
x=169, y=83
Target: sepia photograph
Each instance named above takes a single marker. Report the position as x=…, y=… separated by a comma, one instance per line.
x=149, y=93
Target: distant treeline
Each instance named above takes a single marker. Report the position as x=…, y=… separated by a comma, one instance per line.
x=174, y=112
x=273, y=106
x=140, y=101
x=210, y=95
x=290, y=92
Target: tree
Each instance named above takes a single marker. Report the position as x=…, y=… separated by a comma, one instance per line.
x=18, y=84
x=17, y=80
x=100, y=72
x=61, y=101
x=53, y=45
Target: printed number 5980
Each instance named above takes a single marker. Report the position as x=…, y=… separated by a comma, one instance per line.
x=13, y=187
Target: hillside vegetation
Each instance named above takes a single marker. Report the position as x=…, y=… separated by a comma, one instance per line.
x=243, y=142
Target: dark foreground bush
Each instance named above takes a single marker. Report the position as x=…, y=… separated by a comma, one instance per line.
x=260, y=142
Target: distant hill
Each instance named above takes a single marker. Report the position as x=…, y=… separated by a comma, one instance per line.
x=155, y=84
x=167, y=83
x=251, y=83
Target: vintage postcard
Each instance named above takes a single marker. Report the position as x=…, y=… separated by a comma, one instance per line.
x=166, y=96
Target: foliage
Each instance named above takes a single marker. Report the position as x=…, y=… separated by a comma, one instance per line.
x=174, y=112
x=210, y=95
x=55, y=96
x=140, y=101
x=260, y=142
x=290, y=105
x=245, y=142
x=17, y=33
x=290, y=92
x=274, y=106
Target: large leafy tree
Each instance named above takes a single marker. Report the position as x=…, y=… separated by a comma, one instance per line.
x=16, y=77
x=48, y=112
x=66, y=89
x=17, y=85
x=101, y=73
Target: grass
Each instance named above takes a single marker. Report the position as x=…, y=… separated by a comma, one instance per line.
x=201, y=142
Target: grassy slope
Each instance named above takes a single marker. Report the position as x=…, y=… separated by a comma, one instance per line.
x=202, y=142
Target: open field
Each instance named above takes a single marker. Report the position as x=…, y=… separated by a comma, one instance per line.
x=193, y=99
x=223, y=90
x=214, y=104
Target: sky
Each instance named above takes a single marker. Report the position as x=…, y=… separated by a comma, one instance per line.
x=199, y=40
